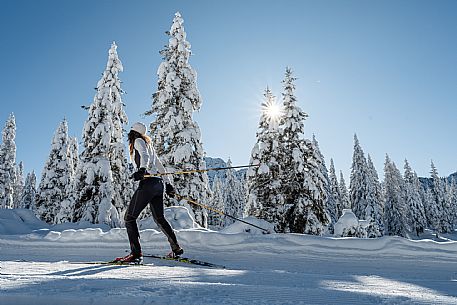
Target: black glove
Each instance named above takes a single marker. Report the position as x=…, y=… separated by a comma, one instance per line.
x=170, y=190
x=139, y=175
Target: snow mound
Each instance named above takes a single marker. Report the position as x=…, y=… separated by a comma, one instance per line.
x=347, y=221
x=19, y=221
x=178, y=217
x=240, y=227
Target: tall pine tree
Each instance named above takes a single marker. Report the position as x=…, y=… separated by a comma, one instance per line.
x=395, y=208
x=216, y=220
x=29, y=193
x=302, y=180
x=344, y=193
x=413, y=199
x=375, y=205
x=336, y=212
x=265, y=196
x=96, y=192
x=56, y=179
x=19, y=184
x=234, y=200
x=359, y=180
x=439, y=215
x=176, y=136
x=123, y=190
x=8, y=164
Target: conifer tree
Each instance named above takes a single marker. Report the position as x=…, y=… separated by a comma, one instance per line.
x=19, y=184
x=414, y=201
x=8, y=164
x=395, y=209
x=216, y=220
x=359, y=180
x=233, y=196
x=73, y=153
x=335, y=213
x=330, y=203
x=448, y=209
x=263, y=181
x=344, y=193
x=302, y=179
x=309, y=214
x=95, y=189
x=375, y=206
x=175, y=134
x=123, y=190
x=29, y=193
x=439, y=214
x=57, y=177
x=453, y=201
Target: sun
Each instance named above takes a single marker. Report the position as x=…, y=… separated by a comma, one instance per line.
x=272, y=110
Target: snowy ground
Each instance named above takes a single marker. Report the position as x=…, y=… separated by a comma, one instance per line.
x=261, y=269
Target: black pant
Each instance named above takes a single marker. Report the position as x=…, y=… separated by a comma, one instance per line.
x=149, y=191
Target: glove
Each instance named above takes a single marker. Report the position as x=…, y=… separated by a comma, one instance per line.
x=170, y=190
x=139, y=175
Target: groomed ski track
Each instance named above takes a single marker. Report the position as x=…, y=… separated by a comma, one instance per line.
x=269, y=269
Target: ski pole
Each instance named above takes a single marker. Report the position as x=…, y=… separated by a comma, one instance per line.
x=219, y=212
x=190, y=171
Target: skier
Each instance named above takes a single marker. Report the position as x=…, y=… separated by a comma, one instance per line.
x=150, y=190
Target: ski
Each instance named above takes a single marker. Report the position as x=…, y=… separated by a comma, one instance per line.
x=186, y=261
x=112, y=263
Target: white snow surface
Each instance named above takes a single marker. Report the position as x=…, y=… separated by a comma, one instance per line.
x=42, y=264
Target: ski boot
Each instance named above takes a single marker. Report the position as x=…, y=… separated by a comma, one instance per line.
x=132, y=259
x=176, y=253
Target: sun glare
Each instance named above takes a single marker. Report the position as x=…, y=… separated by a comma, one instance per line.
x=272, y=110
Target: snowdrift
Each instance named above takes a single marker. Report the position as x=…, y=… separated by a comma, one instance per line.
x=19, y=225
x=19, y=221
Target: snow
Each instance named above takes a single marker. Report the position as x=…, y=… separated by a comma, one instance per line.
x=42, y=264
x=346, y=221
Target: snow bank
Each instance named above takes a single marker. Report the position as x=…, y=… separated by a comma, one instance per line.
x=178, y=217
x=19, y=221
x=240, y=227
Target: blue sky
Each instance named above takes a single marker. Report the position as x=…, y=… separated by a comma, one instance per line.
x=386, y=70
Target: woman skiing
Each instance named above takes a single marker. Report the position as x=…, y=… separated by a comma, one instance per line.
x=150, y=190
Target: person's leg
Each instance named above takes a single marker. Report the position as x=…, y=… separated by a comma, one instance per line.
x=159, y=218
x=137, y=204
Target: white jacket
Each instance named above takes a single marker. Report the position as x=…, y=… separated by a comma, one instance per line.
x=149, y=159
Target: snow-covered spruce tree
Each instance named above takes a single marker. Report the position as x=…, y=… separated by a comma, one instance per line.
x=176, y=136
x=395, y=208
x=29, y=193
x=8, y=164
x=359, y=180
x=19, y=185
x=123, y=190
x=96, y=193
x=375, y=205
x=309, y=214
x=448, y=205
x=414, y=201
x=215, y=220
x=335, y=191
x=56, y=179
x=452, y=197
x=330, y=203
x=265, y=198
x=234, y=200
x=73, y=153
x=439, y=215
x=344, y=193
x=302, y=180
